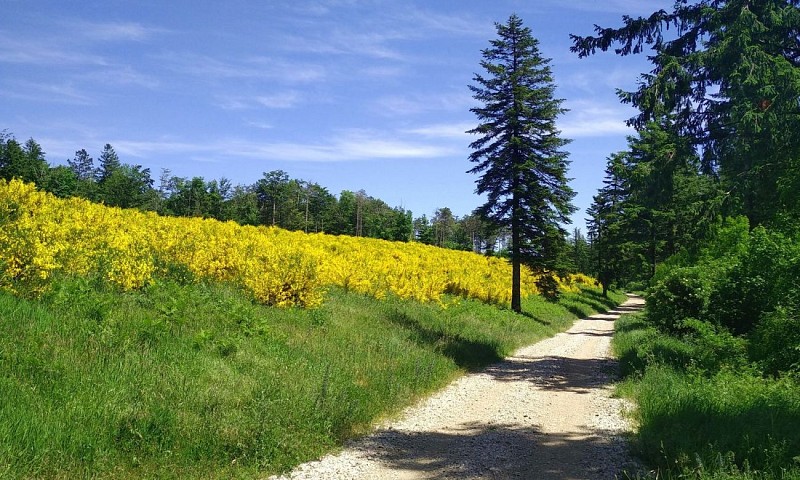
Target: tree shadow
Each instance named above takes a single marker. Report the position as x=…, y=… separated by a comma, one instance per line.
x=623, y=309
x=535, y=318
x=591, y=334
x=575, y=310
x=467, y=354
x=498, y=451
x=599, y=298
x=556, y=373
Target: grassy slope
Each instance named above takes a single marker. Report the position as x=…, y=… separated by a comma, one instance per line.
x=196, y=381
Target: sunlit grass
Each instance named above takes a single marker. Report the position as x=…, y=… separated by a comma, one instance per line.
x=188, y=381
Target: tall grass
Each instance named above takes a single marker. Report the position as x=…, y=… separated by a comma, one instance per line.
x=707, y=423
x=197, y=381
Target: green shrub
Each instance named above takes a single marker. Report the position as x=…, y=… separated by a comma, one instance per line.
x=775, y=343
x=764, y=277
x=638, y=345
x=714, y=347
x=680, y=294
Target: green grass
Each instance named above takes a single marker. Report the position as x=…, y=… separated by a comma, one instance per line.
x=196, y=381
x=699, y=423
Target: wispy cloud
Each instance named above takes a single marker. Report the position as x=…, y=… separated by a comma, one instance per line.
x=66, y=93
x=342, y=42
x=416, y=103
x=623, y=7
x=280, y=100
x=44, y=53
x=114, y=31
x=428, y=22
x=248, y=68
x=352, y=145
x=591, y=119
x=120, y=75
x=449, y=131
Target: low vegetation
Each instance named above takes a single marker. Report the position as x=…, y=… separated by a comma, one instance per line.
x=134, y=345
x=42, y=236
x=196, y=380
x=713, y=364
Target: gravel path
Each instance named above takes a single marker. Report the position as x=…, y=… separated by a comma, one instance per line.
x=544, y=413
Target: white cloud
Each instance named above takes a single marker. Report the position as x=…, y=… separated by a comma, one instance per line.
x=591, y=119
x=411, y=104
x=42, y=53
x=48, y=93
x=444, y=130
x=623, y=7
x=116, y=76
x=207, y=67
x=448, y=23
x=351, y=145
x=114, y=31
x=341, y=42
x=280, y=100
x=261, y=125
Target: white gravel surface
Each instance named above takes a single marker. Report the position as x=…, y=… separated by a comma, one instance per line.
x=544, y=413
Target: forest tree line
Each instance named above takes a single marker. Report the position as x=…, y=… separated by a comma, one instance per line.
x=275, y=199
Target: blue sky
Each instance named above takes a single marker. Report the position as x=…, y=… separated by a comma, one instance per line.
x=351, y=94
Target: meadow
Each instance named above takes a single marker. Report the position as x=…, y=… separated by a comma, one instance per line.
x=138, y=346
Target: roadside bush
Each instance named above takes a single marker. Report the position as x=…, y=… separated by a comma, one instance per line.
x=713, y=347
x=764, y=278
x=775, y=343
x=681, y=293
x=638, y=345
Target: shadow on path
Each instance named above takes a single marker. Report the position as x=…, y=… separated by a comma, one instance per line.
x=556, y=373
x=499, y=452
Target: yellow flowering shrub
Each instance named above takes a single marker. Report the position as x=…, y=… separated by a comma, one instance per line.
x=41, y=235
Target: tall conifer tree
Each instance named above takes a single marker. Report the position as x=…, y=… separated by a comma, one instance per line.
x=727, y=74
x=519, y=152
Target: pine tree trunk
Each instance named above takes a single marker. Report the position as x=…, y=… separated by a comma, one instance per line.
x=516, y=280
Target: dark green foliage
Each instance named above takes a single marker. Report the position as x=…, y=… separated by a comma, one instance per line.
x=764, y=277
x=61, y=182
x=717, y=353
x=128, y=186
x=25, y=162
x=109, y=162
x=742, y=425
x=727, y=73
x=718, y=137
x=680, y=294
x=519, y=153
x=775, y=342
x=548, y=286
x=655, y=203
x=735, y=282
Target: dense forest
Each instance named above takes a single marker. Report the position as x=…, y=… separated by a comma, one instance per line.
x=702, y=212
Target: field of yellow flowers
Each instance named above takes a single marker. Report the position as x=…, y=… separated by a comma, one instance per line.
x=41, y=235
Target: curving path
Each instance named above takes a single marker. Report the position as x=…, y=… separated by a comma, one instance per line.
x=544, y=413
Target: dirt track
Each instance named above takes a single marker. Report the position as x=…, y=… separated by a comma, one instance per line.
x=544, y=413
